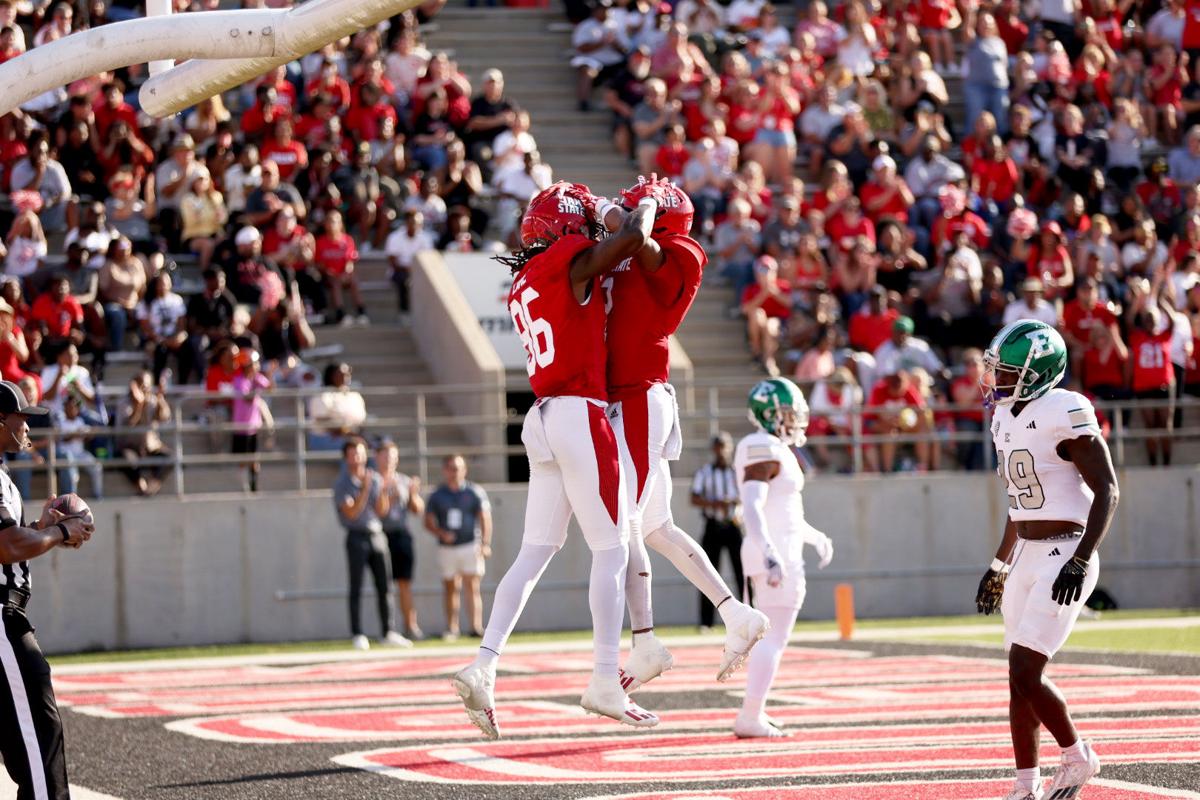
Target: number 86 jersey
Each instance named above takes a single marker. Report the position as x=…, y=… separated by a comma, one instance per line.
x=1040, y=484
x=564, y=344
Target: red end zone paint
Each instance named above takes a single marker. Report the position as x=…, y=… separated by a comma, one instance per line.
x=922, y=790
x=544, y=719
x=713, y=757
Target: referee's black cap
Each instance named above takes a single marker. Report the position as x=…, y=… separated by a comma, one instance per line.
x=13, y=401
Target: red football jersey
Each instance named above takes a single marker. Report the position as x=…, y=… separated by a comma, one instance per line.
x=564, y=340
x=644, y=310
x=1151, y=356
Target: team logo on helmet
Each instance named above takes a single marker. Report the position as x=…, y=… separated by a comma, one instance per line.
x=777, y=406
x=675, y=209
x=556, y=211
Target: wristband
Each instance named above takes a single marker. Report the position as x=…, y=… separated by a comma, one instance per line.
x=603, y=207
x=998, y=566
x=65, y=533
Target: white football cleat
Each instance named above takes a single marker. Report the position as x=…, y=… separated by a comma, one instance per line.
x=760, y=727
x=605, y=697
x=476, y=686
x=743, y=629
x=394, y=639
x=1072, y=776
x=1020, y=793
x=648, y=659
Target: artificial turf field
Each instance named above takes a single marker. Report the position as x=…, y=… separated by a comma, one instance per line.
x=908, y=710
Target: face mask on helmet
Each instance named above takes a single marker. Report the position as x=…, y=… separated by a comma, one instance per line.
x=556, y=212
x=792, y=424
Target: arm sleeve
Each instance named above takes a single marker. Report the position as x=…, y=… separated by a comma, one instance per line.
x=754, y=518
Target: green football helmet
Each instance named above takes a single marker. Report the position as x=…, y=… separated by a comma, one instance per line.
x=778, y=407
x=1025, y=360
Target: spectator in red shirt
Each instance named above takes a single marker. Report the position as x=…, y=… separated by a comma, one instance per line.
x=956, y=218
x=967, y=393
x=885, y=194
x=774, y=143
x=335, y=257
x=289, y=154
x=871, y=325
x=1050, y=262
x=766, y=304
x=1165, y=83
x=1080, y=316
x=330, y=83
x=899, y=408
x=994, y=177
x=366, y=117
x=1151, y=374
x=673, y=154
x=59, y=316
x=8, y=44
x=112, y=109
x=1103, y=369
x=257, y=120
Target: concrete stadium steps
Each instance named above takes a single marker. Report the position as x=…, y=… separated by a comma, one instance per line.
x=531, y=46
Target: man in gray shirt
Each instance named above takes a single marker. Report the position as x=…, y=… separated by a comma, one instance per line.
x=361, y=503
x=459, y=514
x=40, y=173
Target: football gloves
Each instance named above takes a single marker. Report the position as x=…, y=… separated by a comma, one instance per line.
x=775, y=571
x=1068, y=586
x=991, y=591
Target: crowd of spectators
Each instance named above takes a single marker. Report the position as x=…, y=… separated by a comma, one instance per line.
x=219, y=242
x=883, y=183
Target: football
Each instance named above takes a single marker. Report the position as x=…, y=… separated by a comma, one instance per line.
x=72, y=505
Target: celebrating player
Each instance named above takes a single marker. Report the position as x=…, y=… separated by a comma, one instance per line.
x=770, y=482
x=1062, y=493
x=573, y=458
x=648, y=298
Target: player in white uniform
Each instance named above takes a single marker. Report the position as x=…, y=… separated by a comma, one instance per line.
x=1062, y=493
x=770, y=482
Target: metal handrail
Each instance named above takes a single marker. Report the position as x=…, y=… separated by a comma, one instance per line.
x=704, y=396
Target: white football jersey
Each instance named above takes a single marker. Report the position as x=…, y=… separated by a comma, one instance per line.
x=785, y=504
x=1041, y=485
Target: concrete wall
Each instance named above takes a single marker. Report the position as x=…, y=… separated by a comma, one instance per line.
x=458, y=352
x=229, y=569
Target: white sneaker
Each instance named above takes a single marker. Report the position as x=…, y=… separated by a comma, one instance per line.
x=648, y=659
x=363, y=319
x=605, y=697
x=760, y=727
x=476, y=687
x=393, y=639
x=1021, y=793
x=1072, y=776
x=743, y=629
x=347, y=321
x=360, y=642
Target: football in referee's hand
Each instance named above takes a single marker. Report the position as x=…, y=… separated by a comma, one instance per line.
x=72, y=505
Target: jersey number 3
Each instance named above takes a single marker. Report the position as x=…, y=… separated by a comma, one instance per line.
x=534, y=331
x=1018, y=471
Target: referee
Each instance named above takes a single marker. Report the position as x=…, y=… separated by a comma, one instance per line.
x=715, y=493
x=31, y=736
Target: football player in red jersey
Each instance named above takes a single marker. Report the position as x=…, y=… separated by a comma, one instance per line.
x=648, y=298
x=574, y=462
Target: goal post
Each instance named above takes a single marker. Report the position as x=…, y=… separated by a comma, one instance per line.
x=226, y=48
x=305, y=28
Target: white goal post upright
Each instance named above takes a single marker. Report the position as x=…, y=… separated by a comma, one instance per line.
x=159, y=8
x=251, y=42
x=307, y=28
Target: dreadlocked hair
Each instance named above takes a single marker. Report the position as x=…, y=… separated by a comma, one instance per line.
x=517, y=260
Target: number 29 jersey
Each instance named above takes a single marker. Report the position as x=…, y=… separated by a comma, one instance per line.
x=564, y=344
x=1040, y=484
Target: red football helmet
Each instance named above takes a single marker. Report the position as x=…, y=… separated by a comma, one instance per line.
x=675, y=210
x=557, y=210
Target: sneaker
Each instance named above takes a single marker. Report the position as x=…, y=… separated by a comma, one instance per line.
x=648, y=659
x=606, y=698
x=360, y=642
x=705, y=630
x=346, y=321
x=450, y=636
x=1072, y=776
x=416, y=634
x=742, y=631
x=760, y=727
x=1021, y=793
x=363, y=319
x=476, y=686
x=393, y=639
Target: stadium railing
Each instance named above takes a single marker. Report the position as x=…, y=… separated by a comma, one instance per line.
x=189, y=438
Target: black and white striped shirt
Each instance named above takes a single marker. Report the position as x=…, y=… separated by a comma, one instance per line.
x=715, y=483
x=12, y=576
